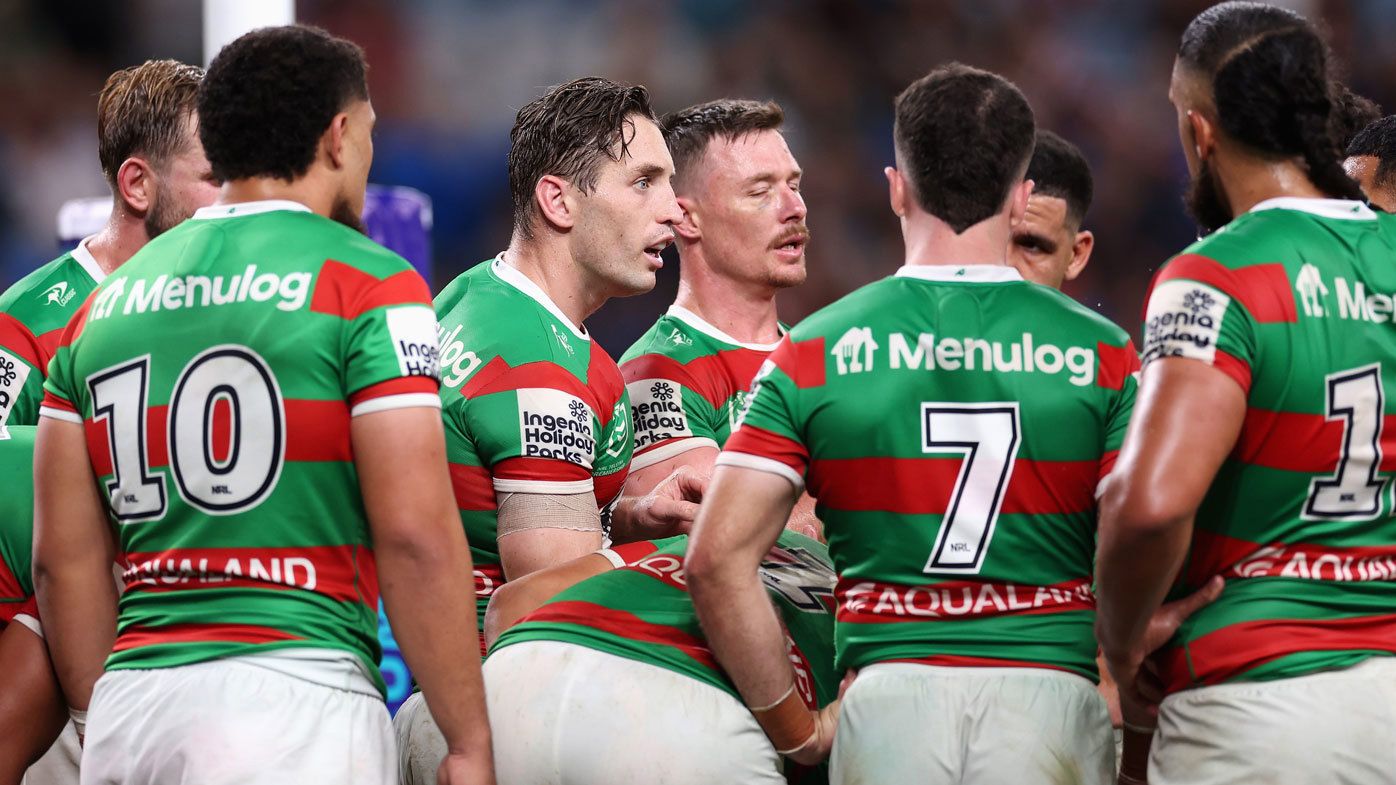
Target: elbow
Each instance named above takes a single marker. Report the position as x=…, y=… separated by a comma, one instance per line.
x=701, y=568
x=1143, y=512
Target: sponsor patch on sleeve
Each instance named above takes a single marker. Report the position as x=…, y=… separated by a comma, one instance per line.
x=13, y=373
x=656, y=407
x=1184, y=319
x=557, y=425
x=413, y=332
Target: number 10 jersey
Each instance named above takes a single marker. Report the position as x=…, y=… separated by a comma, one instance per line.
x=953, y=424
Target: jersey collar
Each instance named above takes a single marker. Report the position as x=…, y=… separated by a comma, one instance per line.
x=248, y=208
x=88, y=262
x=511, y=275
x=698, y=323
x=964, y=273
x=1341, y=209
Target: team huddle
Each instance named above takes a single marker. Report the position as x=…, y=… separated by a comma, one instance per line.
x=954, y=527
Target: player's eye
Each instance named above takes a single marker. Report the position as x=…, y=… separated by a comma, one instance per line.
x=643, y=183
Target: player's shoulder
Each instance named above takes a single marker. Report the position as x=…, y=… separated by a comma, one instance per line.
x=1283, y=229
x=831, y=320
x=671, y=337
x=48, y=295
x=495, y=318
x=291, y=228
x=1064, y=309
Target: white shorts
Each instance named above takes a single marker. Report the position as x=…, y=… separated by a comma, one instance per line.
x=230, y=722
x=58, y=766
x=1333, y=726
x=563, y=714
x=905, y=723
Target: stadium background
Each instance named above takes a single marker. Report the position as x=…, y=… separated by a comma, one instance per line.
x=447, y=76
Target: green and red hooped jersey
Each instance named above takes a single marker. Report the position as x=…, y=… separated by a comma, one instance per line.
x=33, y=313
x=642, y=611
x=531, y=405
x=17, y=526
x=953, y=424
x=1294, y=301
x=215, y=375
x=687, y=382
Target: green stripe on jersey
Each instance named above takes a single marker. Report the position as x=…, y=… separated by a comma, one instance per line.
x=16, y=518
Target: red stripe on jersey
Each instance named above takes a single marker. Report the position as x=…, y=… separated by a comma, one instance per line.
x=1232, y=650
x=623, y=625
x=48, y=346
x=962, y=661
x=872, y=602
x=9, y=610
x=925, y=486
x=346, y=573
x=402, y=385
x=1307, y=443
x=1116, y=364
x=348, y=292
x=136, y=637
x=1107, y=464
x=473, y=487
x=1235, y=367
x=9, y=584
x=73, y=329
x=16, y=339
x=716, y=377
x=1218, y=554
x=802, y=361
x=751, y=440
x=608, y=486
x=539, y=470
x=1262, y=288
x=497, y=376
x=632, y=552
x=488, y=579
x=606, y=384
x=55, y=402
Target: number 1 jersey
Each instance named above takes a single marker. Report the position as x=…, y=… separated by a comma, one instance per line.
x=215, y=375
x=953, y=424
x=1294, y=301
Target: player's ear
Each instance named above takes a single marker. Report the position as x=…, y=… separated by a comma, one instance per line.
x=688, y=229
x=896, y=190
x=1018, y=201
x=334, y=139
x=1080, y=253
x=1204, y=134
x=135, y=184
x=555, y=203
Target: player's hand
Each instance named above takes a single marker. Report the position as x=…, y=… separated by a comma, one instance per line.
x=461, y=769
x=672, y=506
x=816, y=750
x=1141, y=687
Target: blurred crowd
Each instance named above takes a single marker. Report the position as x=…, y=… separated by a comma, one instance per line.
x=448, y=75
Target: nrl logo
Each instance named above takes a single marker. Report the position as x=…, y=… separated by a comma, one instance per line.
x=58, y=294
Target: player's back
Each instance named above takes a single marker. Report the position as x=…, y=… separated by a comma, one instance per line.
x=1294, y=301
x=216, y=374
x=955, y=422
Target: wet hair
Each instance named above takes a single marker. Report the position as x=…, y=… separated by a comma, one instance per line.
x=1270, y=78
x=270, y=95
x=1059, y=169
x=142, y=111
x=687, y=132
x=963, y=137
x=568, y=132
x=1378, y=140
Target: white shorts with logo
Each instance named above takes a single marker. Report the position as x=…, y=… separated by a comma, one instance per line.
x=904, y=723
x=1330, y=727
x=563, y=714
x=240, y=720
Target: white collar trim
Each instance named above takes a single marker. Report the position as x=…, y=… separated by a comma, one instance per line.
x=1342, y=209
x=514, y=277
x=698, y=323
x=87, y=261
x=969, y=273
x=248, y=208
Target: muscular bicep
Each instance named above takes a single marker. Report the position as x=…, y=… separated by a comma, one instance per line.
x=541, y=530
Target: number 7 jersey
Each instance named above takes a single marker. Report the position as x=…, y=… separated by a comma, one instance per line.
x=1293, y=301
x=953, y=424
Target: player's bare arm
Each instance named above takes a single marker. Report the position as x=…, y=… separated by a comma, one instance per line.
x=740, y=520
x=424, y=571
x=1170, y=456
x=32, y=710
x=518, y=598
x=73, y=554
x=539, y=530
x=666, y=507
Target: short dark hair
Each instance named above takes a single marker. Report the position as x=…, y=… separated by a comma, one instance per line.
x=688, y=131
x=963, y=137
x=1059, y=169
x=1351, y=113
x=1378, y=140
x=1271, y=82
x=142, y=111
x=566, y=132
x=269, y=96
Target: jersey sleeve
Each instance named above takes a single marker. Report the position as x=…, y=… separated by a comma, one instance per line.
x=390, y=355
x=769, y=433
x=669, y=414
x=62, y=392
x=632, y=552
x=1118, y=366
x=1198, y=309
x=22, y=366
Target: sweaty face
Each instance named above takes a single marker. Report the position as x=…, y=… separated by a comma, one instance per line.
x=628, y=219
x=1043, y=244
x=1363, y=169
x=183, y=184
x=348, y=205
x=745, y=198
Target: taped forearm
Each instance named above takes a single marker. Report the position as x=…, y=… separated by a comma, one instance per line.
x=524, y=511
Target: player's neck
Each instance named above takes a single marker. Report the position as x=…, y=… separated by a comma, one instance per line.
x=308, y=190
x=930, y=241
x=550, y=268
x=737, y=308
x=118, y=240
x=1246, y=182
